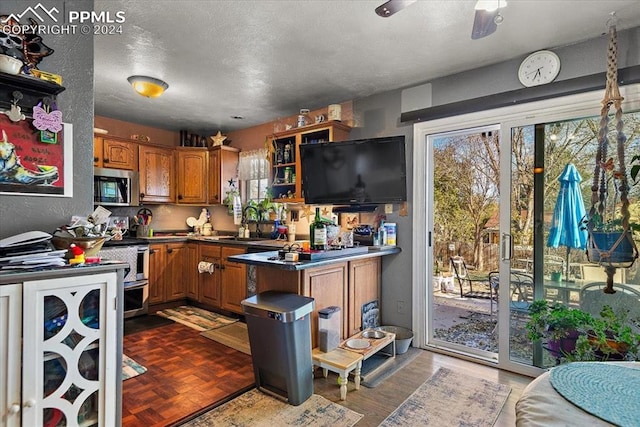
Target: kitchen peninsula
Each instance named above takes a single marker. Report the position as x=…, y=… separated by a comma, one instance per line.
x=350, y=282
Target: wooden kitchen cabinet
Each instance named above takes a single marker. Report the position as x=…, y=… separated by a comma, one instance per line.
x=172, y=271
x=223, y=166
x=348, y=285
x=208, y=292
x=192, y=175
x=115, y=154
x=327, y=285
x=157, y=272
x=233, y=280
x=285, y=167
x=157, y=175
x=181, y=274
x=364, y=287
x=98, y=152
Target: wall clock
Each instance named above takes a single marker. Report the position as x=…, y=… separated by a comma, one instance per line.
x=539, y=68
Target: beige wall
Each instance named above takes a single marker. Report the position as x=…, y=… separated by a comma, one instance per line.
x=124, y=129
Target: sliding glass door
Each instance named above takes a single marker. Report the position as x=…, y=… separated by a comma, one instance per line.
x=465, y=191
x=491, y=191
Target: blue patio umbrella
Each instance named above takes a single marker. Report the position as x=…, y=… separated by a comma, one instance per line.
x=567, y=214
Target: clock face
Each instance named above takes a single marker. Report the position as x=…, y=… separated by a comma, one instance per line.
x=539, y=68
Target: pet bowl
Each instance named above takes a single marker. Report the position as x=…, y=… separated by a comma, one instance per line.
x=372, y=333
x=9, y=64
x=403, y=337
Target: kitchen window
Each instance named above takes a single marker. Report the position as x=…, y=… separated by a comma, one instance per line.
x=253, y=169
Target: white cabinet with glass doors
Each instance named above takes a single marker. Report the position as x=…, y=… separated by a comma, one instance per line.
x=70, y=361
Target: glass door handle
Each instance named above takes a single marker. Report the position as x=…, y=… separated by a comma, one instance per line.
x=507, y=247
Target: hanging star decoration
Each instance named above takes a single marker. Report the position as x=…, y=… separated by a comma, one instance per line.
x=306, y=213
x=325, y=211
x=218, y=139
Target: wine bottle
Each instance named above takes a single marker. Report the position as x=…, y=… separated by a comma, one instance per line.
x=319, y=233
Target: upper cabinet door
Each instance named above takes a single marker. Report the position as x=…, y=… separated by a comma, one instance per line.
x=223, y=167
x=192, y=175
x=157, y=175
x=119, y=154
x=98, y=147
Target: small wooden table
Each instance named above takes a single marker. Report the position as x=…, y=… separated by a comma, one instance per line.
x=341, y=362
x=375, y=346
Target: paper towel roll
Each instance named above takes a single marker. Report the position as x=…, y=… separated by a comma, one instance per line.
x=206, y=267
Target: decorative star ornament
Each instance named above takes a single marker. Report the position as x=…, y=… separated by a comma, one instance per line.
x=218, y=139
x=325, y=211
x=306, y=213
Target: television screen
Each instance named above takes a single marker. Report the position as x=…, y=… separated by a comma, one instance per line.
x=364, y=171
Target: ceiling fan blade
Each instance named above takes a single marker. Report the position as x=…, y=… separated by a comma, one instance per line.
x=484, y=23
x=392, y=6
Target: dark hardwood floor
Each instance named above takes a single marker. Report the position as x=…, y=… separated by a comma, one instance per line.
x=188, y=374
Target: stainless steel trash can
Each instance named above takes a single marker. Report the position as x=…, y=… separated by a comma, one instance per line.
x=279, y=326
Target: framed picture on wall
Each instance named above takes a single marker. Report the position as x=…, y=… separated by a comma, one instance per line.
x=349, y=220
x=33, y=162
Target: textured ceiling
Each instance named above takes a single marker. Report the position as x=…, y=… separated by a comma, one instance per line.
x=265, y=59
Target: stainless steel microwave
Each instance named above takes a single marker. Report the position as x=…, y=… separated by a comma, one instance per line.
x=115, y=187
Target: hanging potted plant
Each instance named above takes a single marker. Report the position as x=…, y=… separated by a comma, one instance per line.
x=610, y=242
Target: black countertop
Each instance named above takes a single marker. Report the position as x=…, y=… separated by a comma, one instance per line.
x=270, y=259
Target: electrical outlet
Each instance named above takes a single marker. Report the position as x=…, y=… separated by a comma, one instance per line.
x=388, y=208
x=401, y=307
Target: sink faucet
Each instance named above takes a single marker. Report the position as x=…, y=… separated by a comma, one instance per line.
x=244, y=218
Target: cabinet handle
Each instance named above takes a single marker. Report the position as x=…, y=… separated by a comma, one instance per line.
x=169, y=250
x=179, y=196
x=95, y=159
x=14, y=409
x=141, y=196
x=152, y=251
x=30, y=403
x=215, y=197
x=105, y=161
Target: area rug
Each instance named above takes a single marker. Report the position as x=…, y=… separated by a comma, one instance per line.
x=131, y=368
x=378, y=377
x=257, y=409
x=196, y=318
x=234, y=335
x=451, y=399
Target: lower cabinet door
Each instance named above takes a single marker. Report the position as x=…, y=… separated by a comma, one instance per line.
x=70, y=352
x=233, y=281
x=10, y=354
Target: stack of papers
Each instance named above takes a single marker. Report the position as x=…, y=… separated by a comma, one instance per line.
x=29, y=251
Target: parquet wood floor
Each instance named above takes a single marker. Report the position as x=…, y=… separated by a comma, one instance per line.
x=185, y=374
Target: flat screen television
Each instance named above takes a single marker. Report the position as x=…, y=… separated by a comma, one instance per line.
x=357, y=172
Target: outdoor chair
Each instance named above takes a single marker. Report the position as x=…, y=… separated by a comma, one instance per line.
x=520, y=291
x=478, y=288
x=626, y=299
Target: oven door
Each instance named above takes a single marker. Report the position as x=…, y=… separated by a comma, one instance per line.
x=136, y=298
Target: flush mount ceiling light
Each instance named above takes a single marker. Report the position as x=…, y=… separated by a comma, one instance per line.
x=148, y=86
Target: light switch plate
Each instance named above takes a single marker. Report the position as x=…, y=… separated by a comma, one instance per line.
x=388, y=208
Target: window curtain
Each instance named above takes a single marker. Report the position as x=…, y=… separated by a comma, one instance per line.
x=254, y=164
